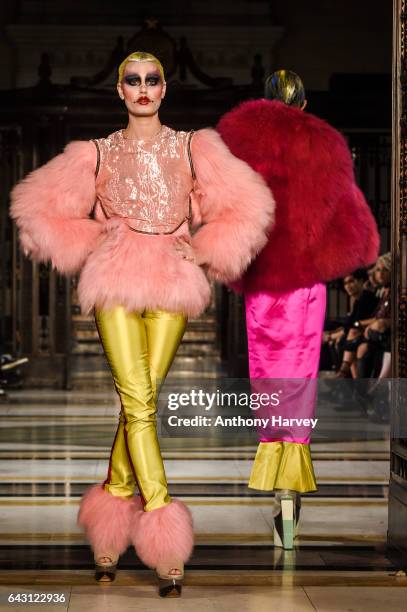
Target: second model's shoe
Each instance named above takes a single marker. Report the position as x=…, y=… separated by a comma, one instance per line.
x=286, y=519
x=163, y=539
x=107, y=520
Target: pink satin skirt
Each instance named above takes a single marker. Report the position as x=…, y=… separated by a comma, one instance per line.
x=284, y=333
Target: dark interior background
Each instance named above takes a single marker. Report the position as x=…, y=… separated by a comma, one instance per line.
x=58, y=65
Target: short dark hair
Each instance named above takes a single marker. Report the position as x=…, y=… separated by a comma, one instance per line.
x=285, y=86
x=359, y=274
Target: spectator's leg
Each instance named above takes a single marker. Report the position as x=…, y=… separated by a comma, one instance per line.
x=385, y=372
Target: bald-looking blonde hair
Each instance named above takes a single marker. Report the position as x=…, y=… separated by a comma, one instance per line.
x=285, y=86
x=385, y=261
x=141, y=56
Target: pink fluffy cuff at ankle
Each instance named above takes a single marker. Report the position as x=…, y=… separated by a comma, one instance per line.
x=106, y=519
x=164, y=534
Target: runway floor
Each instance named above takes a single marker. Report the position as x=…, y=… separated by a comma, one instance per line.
x=54, y=444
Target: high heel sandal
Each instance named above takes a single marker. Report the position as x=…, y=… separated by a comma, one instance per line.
x=164, y=539
x=107, y=520
x=105, y=571
x=170, y=585
x=286, y=522
x=344, y=370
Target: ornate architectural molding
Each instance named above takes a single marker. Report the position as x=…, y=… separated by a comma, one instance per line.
x=397, y=535
x=222, y=51
x=399, y=212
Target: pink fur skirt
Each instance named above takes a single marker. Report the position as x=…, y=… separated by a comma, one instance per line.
x=140, y=271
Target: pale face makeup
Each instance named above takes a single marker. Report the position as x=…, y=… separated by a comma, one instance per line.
x=142, y=88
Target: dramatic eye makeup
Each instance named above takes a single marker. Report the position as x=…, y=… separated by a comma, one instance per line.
x=151, y=79
x=132, y=79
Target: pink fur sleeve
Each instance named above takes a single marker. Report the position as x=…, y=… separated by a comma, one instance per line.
x=236, y=208
x=51, y=207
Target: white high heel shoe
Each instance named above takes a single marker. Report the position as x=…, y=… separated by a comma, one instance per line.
x=286, y=518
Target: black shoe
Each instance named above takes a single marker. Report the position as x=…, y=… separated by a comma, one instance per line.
x=170, y=587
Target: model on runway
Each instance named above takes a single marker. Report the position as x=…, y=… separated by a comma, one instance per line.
x=143, y=274
x=324, y=230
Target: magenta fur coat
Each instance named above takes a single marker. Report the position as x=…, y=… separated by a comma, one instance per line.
x=232, y=206
x=324, y=229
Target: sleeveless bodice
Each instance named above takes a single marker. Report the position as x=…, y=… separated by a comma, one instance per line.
x=145, y=182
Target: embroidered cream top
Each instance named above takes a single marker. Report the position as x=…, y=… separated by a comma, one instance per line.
x=146, y=182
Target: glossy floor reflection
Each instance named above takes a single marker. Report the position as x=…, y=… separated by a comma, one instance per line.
x=55, y=444
x=212, y=597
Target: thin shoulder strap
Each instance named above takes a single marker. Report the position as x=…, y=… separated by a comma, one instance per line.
x=95, y=142
x=191, y=163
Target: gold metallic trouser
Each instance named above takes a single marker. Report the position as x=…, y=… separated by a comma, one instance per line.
x=140, y=348
x=283, y=465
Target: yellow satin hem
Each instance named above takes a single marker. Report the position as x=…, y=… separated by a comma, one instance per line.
x=283, y=465
x=123, y=494
x=117, y=491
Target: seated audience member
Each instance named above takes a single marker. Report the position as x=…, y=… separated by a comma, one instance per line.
x=344, y=340
x=374, y=354
x=376, y=330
